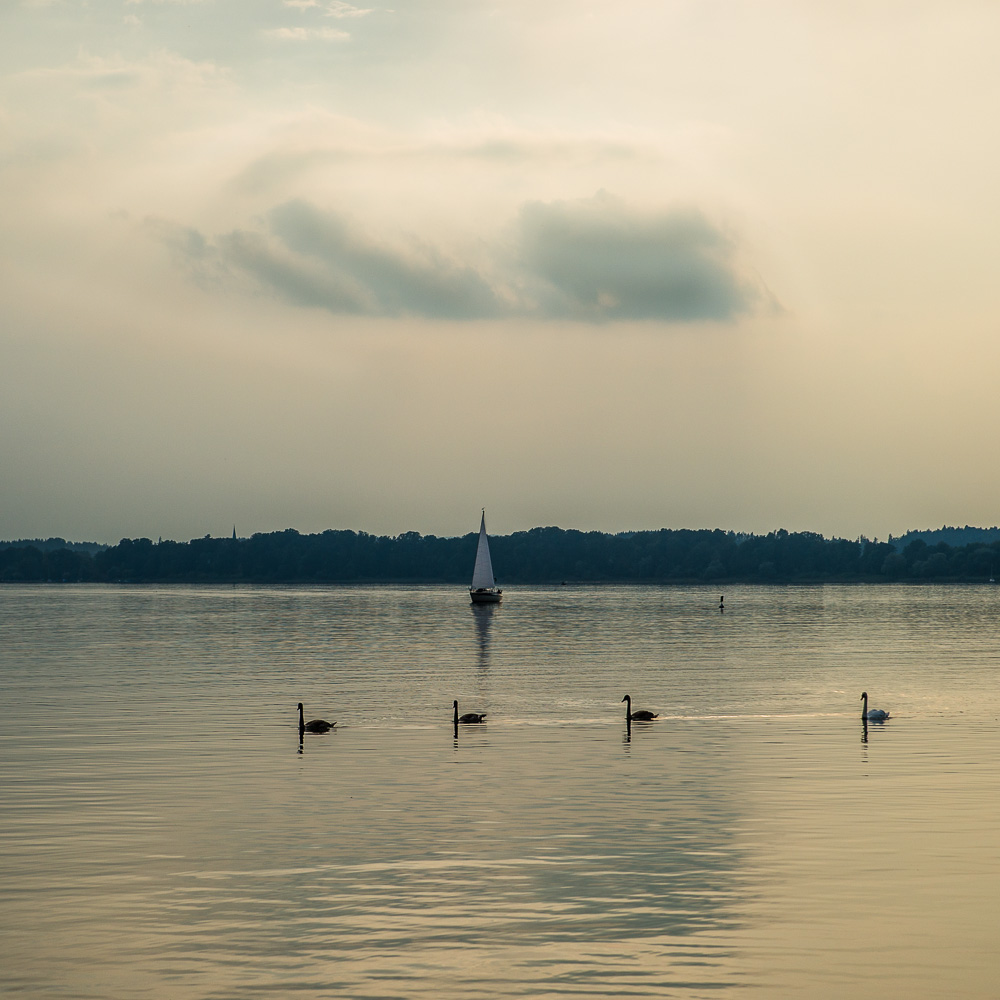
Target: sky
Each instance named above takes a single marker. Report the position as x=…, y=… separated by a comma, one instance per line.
x=679, y=264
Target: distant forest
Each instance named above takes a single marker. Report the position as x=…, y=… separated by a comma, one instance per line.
x=539, y=556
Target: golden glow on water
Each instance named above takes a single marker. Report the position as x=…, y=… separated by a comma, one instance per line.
x=164, y=834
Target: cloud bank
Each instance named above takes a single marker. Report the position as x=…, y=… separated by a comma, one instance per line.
x=592, y=260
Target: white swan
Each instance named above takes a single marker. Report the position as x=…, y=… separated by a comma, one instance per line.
x=872, y=715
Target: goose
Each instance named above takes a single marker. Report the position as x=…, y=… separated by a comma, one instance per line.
x=873, y=715
x=641, y=716
x=314, y=725
x=469, y=717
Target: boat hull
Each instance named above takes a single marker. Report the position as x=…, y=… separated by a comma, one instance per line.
x=484, y=596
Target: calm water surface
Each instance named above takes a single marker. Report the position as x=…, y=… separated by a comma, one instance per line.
x=163, y=834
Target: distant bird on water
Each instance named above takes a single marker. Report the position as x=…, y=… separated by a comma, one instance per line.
x=872, y=715
x=469, y=717
x=314, y=725
x=641, y=716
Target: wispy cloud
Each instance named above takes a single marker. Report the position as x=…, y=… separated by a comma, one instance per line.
x=326, y=143
x=162, y=72
x=337, y=8
x=306, y=34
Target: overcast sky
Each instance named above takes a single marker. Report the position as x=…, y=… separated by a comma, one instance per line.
x=612, y=265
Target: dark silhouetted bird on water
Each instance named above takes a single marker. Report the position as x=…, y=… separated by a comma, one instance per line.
x=469, y=717
x=641, y=716
x=314, y=725
x=872, y=715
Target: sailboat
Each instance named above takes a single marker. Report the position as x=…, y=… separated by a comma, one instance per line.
x=484, y=589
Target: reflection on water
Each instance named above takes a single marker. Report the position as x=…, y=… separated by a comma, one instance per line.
x=160, y=838
x=482, y=615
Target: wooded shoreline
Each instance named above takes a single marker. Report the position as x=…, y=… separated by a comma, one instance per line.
x=538, y=556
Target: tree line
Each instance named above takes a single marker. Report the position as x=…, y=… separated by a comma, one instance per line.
x=538, y=556
x=955, y=537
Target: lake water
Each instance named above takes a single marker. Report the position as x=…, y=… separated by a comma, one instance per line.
x=163, y=834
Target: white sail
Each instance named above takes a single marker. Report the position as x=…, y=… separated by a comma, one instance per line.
x=482, y=575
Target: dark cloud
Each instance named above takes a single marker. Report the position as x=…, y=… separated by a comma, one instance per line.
x=417, y=280
x=301, y=281
x=183, y=241
x=598, y=260
x=315, y=259
x=191, y=252
x=594, y=260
